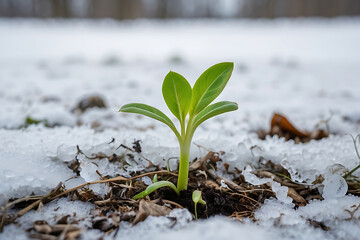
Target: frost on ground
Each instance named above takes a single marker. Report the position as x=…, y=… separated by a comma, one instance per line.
x=305, y=69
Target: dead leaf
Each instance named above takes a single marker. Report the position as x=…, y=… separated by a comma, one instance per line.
x=284, y=124
x=282, y=127
x=42, y=227
x=86, y=194
x=61, y=227
x=211, y=184
x=73, y=235
x=150, y=209
x=295, y=196
x=199, y=163
x=103, y=223
x=43, y=236
x=63, y=220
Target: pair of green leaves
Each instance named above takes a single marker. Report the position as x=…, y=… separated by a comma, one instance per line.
x=182, y=100
x=196, y=197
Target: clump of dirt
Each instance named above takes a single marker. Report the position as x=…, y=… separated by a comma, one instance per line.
x=217, y=202
x=89, y=102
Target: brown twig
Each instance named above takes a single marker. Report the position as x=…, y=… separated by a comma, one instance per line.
x=119, y=178
x=28, y=208
x=4, y=214
x=172, y=203
x=63, y=233
x=23, y=199
x=43, y=199
x=243, y=195
x=228, y=182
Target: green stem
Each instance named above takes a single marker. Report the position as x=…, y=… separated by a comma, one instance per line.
x=195, y=211
x=183, y=166
x=184, y=155
x=351, y=172
x=183, y=129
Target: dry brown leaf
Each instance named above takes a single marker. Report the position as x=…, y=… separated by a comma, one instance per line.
x=61, y=227
x=150, y=209
x=43, y=236
x=86, y=194
x=295, y=196
x=42, y=227
x=211, y=184
x=73, y=235
x=284, y=124
x=199, y=163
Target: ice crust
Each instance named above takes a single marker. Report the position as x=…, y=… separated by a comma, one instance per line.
x=281, y=192
x=308, y=73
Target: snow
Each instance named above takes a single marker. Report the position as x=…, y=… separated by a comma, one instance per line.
x=334, y=186
x=329, y=212
x=305, y=69
x=281, y=192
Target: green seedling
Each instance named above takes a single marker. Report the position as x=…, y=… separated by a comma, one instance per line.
x=358, y=155
x=196, y=197
x=191, y=106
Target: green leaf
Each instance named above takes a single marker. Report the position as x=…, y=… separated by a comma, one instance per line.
x=149, y=111
x=154, y=187
x=155, y=179
x=209, y=85
x=214, y=110
x=201, y=201
x=177, y=94
x=196, y=196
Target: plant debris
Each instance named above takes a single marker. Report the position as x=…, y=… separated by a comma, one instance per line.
x=62, y=230
x=150, y=209
x=234, y=198
x=282, y=127
x=89, y=102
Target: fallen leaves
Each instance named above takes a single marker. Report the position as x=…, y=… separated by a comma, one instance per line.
x=282, y=127
x=150, y=209
x=44, y=231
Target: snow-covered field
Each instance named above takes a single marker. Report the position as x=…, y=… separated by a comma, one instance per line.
x=308, y=70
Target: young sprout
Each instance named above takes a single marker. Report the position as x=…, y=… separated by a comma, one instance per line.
x=155, y=186
x=191, y=106
x=196, y=197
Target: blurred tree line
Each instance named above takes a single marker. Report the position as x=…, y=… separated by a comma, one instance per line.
x=130, y=9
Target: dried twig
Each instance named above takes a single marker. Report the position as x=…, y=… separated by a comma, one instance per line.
x=2, y=223
x=23, y=199
x=46, y=198
x=172, y=203
x=352, y=213
x=119, y=178
x=242, y=195
x=228, y=182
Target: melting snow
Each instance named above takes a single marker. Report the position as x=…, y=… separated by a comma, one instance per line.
x=306, y=69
